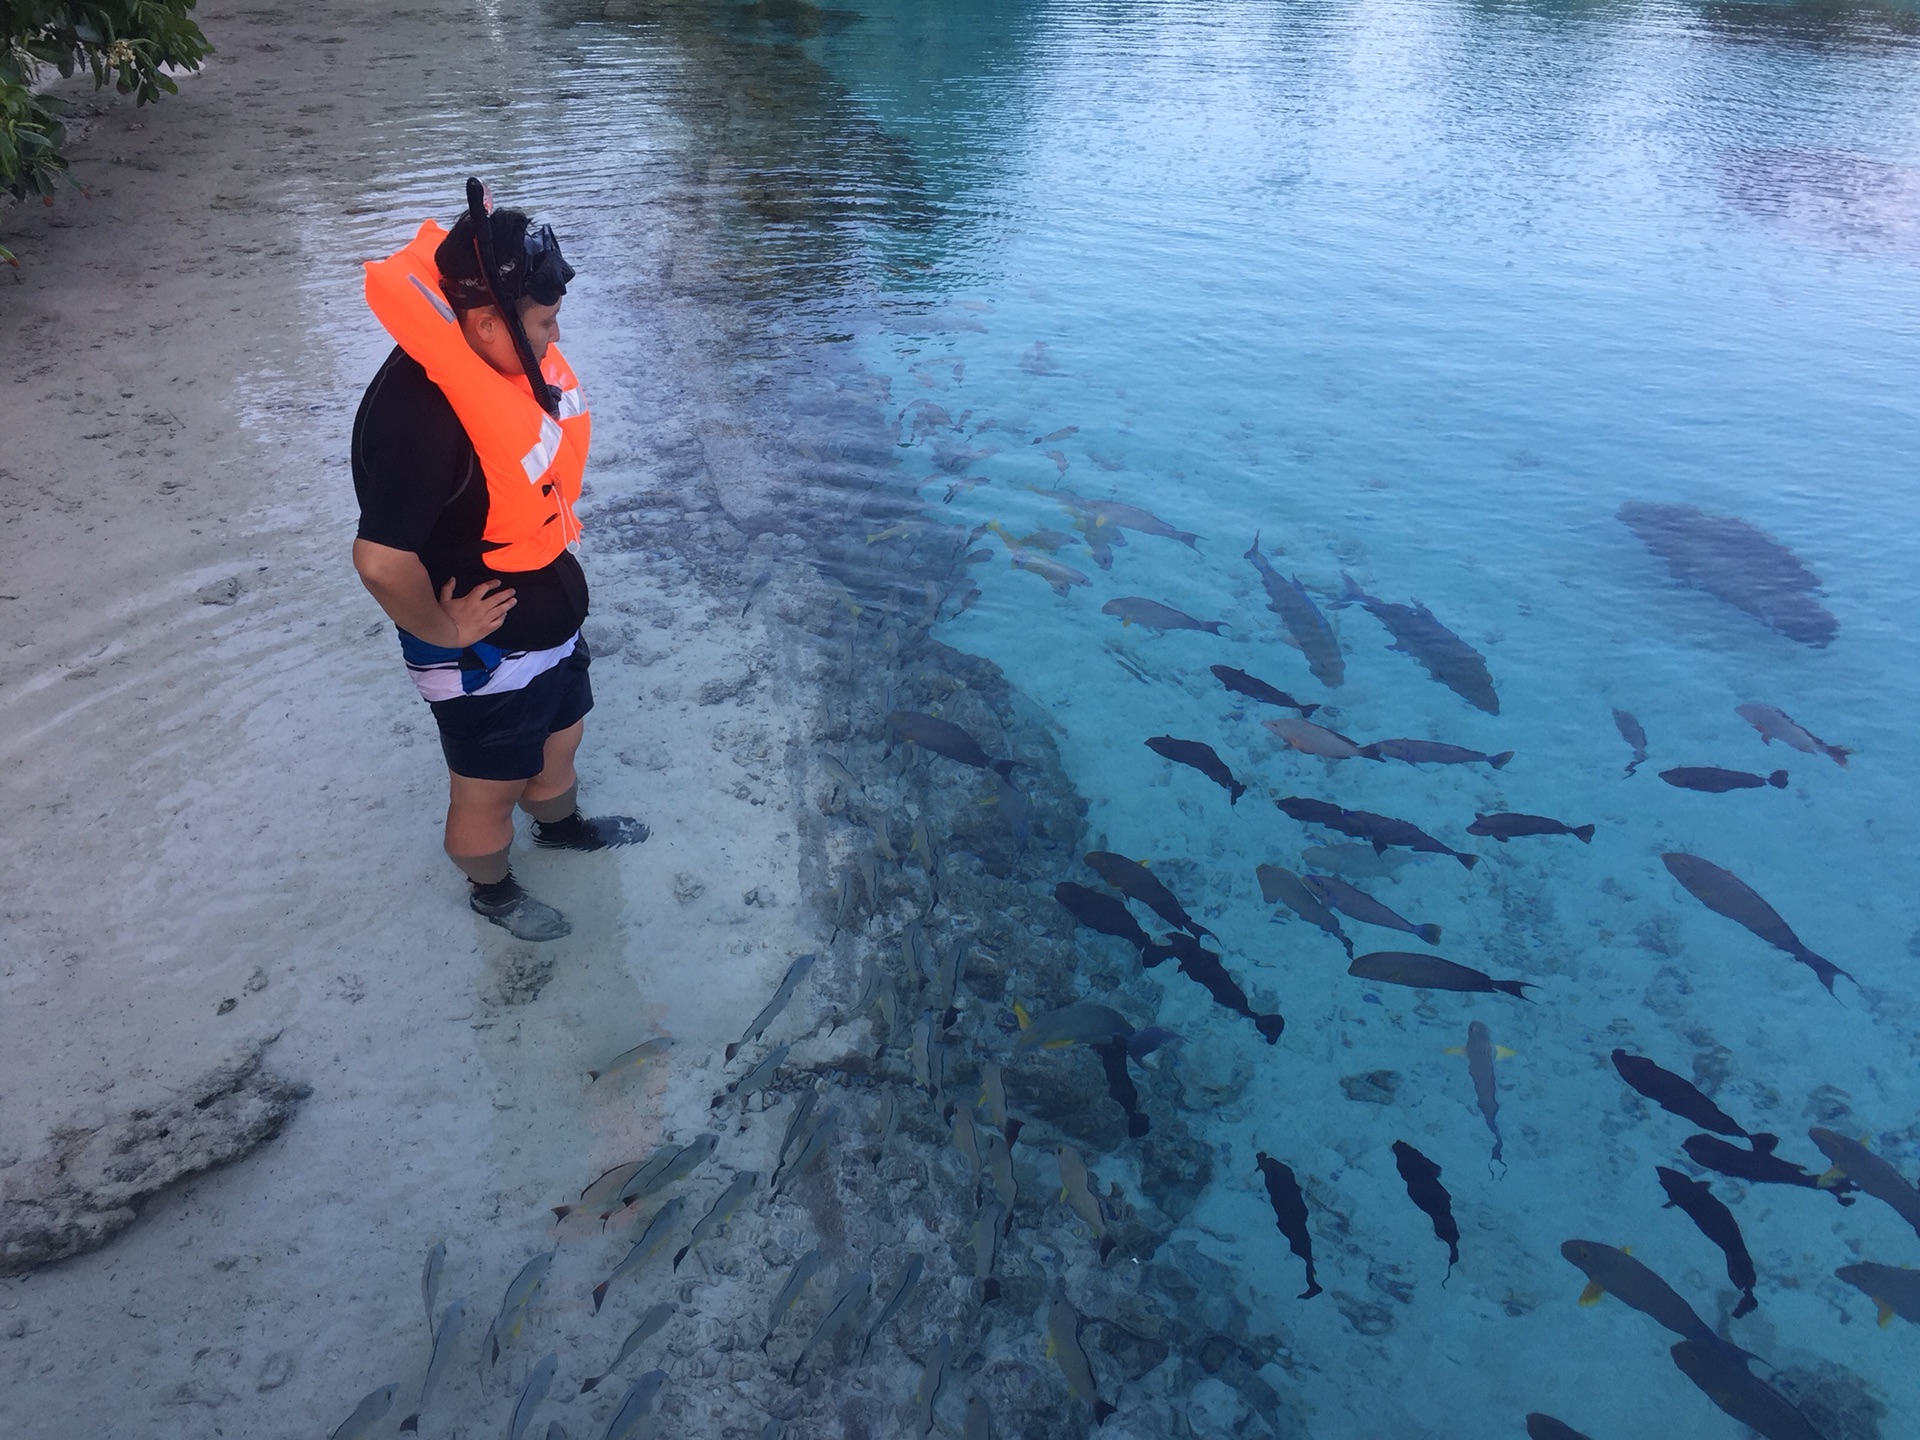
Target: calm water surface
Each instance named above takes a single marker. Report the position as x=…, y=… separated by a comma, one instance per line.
x=1424, y=292
x=1420, y=292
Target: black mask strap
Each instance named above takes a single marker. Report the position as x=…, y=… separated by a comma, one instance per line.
x=489, y=267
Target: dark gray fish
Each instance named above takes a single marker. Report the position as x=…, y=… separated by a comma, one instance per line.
x=797, y=1279
x=723, y=1209
x=1381, y=831
x=1616, y=1273
x=814, y=1147
x=1695, y=1199
x=796, y=972
x=650, y=1325
x=755, y=1080
x=979, y=1420
x=1113, y=1060
x=802, y=1108
x=1711, y=780
x=1895, y=1291
x=988, y=1223
x=847, y=1304
x=366, y=1414
x=1137, y=882
x=1287, y=598
x=1422, y=1179
x=1152, y=615
x=1430, y=972
x=1870, y=1172
x=943, y=737
x=430, y=1276
x=513, y=1305
x=759, y=581
x=1201, y=758
x=650, y=1243
x=897, y=1293
x=1056, y=435
x=639, y=1181
x=1241, y=683
x=1760, y=1165
x=1432, y=752
x=452, y=1321
x=1103, y=914
x=1631, y=732
x=1735, y=562
x=539, y=1381
x=1289, y=1213
x=625, y=1424
x=686, y=1160
x=965, y=1135
x=1280, y=885
x=1203, y=965
x=1545, y=1427
x=1006, y=1188
x=1356, y=904
x=1724, y=1379
x=1678, y=1097
x=1726, y=894
x=1481, y=1054
x=932, y=1375
x=1505, y=825
x=1441, y=653
x=1015, y=808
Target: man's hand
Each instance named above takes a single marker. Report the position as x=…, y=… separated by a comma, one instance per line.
x=476, y=614
x=398, y=580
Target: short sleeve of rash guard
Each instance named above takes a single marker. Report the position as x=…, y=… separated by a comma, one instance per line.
x=409, y=456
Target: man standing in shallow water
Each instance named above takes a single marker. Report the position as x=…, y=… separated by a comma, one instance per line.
x=468, y=453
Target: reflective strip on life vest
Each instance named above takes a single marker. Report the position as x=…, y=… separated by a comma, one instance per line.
x=572, y=402
x=536, y=460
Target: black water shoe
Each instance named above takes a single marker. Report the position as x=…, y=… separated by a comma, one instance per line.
x=517, y=912
x=577, y=832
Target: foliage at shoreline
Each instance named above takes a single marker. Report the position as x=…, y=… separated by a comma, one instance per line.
x=128, y=42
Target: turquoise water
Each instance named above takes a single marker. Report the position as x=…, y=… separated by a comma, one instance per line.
x=1424, y=292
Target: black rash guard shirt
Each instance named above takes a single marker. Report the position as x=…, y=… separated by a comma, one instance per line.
x=421, y=489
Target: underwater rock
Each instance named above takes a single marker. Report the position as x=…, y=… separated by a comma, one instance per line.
x=1735, y=562
x=523, y=975
x=1211, y=1076
x=1376, y=1087
x=92, y=1181
x=1365, y=1316
x=1215, y=1408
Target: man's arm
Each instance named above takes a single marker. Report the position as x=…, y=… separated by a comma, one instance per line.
x=398, y=580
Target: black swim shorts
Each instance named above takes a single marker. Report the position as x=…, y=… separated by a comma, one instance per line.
x=504, y=736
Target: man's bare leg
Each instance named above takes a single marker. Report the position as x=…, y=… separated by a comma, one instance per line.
x=552, y=797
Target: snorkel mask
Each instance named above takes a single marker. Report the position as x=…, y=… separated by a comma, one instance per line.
x=539, y=273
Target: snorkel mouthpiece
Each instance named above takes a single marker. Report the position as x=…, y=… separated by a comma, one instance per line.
x=549, y=267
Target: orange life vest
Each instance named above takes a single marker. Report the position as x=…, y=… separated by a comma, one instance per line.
x=532, y=461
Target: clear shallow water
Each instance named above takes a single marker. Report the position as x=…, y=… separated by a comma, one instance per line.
x=1425, y=292
x=1422, y=292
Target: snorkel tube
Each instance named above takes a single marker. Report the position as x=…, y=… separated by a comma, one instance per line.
x=490, y=268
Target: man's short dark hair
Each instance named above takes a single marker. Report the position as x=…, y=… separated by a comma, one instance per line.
x=458, y=260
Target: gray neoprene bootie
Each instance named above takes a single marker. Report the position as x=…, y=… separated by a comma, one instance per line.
x=517, y=912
